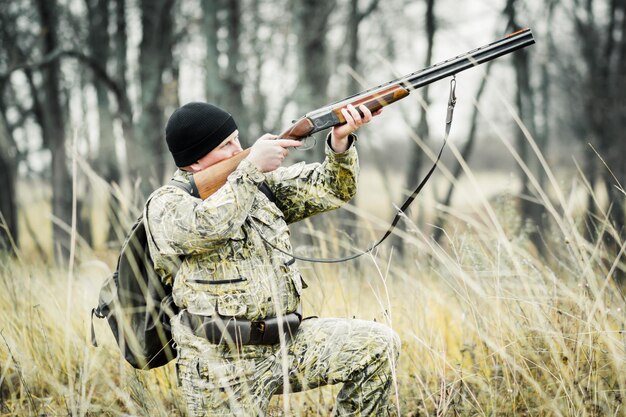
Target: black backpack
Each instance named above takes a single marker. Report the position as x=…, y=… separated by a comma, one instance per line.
x=137, y=305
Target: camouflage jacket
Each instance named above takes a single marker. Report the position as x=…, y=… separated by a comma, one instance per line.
x=221, y=262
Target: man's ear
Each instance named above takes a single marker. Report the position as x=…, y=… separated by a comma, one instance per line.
x=195, y=167
x=190, y=168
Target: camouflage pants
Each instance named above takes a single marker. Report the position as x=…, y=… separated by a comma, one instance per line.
x=218, y=381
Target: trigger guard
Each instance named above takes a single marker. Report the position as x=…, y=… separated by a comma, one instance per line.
x=307, y=143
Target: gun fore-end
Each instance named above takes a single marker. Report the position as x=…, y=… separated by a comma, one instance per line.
x=331, y=116
x=374, y=101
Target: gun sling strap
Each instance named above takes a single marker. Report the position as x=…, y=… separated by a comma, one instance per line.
x=402, y=209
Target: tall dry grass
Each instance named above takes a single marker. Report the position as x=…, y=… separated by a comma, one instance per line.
x=488, y=325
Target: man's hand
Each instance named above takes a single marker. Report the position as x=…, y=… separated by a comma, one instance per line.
x=339, y=138
x=268, y=153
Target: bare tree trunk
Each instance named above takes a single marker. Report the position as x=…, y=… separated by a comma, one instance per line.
x=423, y=130
x=311, y=26
x=524, y=99
x=224, y=86
x=543, y=131
x=617, y=146
x=214, y=87
x=603, y=50
x=416, y=159
x=355, y=17
x=8, y=177
x=85, y=202
x=155, y=58
x=125, y=112
x=107, y=163
x=53, y=129
x=259, y=110
x=8, y=152
x=235, y=70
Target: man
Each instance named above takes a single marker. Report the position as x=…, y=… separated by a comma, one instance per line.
x=233, y=287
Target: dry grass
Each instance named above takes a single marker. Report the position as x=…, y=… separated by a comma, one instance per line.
x=489, y=326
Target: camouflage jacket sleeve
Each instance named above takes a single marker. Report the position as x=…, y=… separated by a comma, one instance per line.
x=182, y=225
x=303, y=190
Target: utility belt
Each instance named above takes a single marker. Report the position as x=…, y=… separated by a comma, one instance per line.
x=230, y=330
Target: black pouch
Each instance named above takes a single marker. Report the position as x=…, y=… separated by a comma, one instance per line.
x=218, y=329
x=273, y=327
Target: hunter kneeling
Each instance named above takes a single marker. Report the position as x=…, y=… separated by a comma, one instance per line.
x=240, y=335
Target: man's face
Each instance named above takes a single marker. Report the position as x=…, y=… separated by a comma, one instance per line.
x=229, y=147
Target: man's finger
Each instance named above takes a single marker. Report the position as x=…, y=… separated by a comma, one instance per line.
x=268, y=136
x=348, y=116
x=367, y=114
x=354, y=113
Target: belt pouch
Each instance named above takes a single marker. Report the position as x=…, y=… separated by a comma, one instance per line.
x=228, y=330
x=273, y=327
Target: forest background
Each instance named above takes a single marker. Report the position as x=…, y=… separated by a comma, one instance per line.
x=504, y=281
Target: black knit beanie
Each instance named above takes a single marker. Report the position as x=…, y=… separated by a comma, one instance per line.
x=195, y=129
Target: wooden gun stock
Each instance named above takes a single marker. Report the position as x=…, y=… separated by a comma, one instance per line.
x=214, y=177
x=211, y=179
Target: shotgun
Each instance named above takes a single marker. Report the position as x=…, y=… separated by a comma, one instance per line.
x=212, y=178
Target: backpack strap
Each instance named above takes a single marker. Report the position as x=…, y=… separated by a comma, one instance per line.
x=190, y=188
x=95, y=311
x=265, y=189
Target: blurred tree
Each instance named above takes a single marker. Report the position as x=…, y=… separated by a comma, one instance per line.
x=49, y=100
x=258, y=112
x=416, y=157
x=106, y=162
x=214, y=86
x=532, y=212
x=118, y=83
x=423, y=131
x=224, y=83
x=237, y=66
x=148, y=148
x=52, y=119
x=602, y=43
x=311, y=24
x=35, y=50
x=9, y=152
x=355, y=18
x=528, y=208
x=468, y=146
x=271, y=47
x=8, y=177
